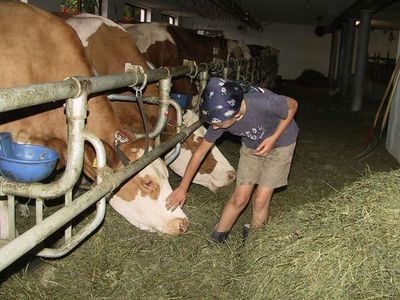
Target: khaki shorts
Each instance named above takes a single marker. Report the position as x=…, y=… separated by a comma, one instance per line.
x=269, y=171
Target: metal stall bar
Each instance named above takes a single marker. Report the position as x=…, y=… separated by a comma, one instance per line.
x=72, y=242
x=76, y=116
x=34, y=236
x=76, y=108
x=20, y=97
x=76, y=111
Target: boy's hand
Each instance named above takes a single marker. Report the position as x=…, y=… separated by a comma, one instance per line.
x=175, y=199
x=265, y=147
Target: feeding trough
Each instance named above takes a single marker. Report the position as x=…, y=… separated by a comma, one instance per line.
x=182, y=99
x=24, y=162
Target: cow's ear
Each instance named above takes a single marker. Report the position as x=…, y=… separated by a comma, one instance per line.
x=90, y=165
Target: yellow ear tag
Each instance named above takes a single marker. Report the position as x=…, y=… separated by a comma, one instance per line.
x=95, y=163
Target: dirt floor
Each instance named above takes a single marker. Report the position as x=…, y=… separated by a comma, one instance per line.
x=122, y=262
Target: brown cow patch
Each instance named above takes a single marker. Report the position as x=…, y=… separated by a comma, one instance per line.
x=149, y=187
x=209, y=162
x=145, y=185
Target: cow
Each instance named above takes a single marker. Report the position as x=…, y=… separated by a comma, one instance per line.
x=39, y=47
x=268, y=74
x=107, y=48
x=238, y=50
x=167, y=45
x=255, y=50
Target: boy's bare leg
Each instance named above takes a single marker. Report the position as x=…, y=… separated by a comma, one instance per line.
x=260, y=205
x=234, y=207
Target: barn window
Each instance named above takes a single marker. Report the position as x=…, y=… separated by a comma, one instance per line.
x=172, y=20
x=76, y=6
x=134, y=14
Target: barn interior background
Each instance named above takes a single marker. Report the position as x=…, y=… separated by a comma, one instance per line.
x=287, y=26
x=333, y=232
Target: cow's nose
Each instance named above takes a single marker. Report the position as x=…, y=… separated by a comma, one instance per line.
x=232, y=175
x=177, y=226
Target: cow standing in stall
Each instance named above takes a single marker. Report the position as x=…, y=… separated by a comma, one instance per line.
x=38, y=47
x=166, y=45
x=238, y=50
x=109, y=47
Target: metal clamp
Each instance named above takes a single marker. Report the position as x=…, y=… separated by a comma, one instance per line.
x=78, y=84
x=168, y=70
x=120, y=138
x=137, y=69
x=205, y=64
x=191, y=64
x=235, y=62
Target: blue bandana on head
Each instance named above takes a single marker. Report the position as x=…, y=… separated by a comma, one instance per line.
x=221, y=100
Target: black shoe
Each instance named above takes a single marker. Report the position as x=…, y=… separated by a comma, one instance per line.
x=246, y=231
x=219, y=237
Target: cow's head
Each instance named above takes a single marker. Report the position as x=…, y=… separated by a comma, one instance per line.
x=238, y=50
x=215, y=171
x=141, y=199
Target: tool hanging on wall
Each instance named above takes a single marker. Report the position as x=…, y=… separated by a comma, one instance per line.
x=377, y=130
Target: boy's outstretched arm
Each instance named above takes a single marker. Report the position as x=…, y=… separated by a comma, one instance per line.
x=179, y=195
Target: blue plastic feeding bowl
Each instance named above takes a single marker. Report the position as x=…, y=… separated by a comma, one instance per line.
x=182, y=99
x=24, y=162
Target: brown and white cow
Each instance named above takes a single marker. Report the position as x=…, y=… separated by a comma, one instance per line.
x=38, y=47
x=108, y=47
x=238, y=50
x=167, y=45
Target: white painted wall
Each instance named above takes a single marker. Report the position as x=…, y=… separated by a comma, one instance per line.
x=300, y=49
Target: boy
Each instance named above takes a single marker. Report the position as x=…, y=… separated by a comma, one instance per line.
x=265, y=122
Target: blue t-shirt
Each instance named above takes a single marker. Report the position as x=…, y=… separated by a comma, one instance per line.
x=264, y=111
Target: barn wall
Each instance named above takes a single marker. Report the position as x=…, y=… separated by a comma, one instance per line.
x=380, y=43
x=299, y=47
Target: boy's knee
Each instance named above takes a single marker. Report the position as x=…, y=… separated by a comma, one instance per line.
x=240, y=201
x=260, y=202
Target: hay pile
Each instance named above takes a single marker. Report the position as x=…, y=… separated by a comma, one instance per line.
x=345, y=246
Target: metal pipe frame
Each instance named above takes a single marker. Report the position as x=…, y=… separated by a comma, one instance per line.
x=78, y=237
x=164, y=90
x=76, y=115
x=76, y=90
x=37, y=234
x=333, y=56
x=361, y=60
x=225, y=73
x=20, y=97
x=348, y=56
